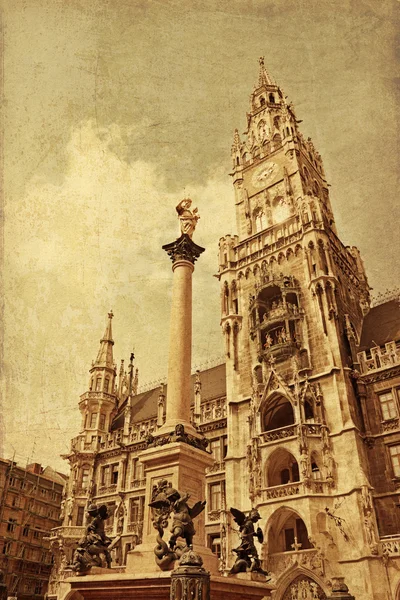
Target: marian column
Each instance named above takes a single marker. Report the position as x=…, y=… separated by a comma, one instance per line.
x=183, y=253
x=176, y=457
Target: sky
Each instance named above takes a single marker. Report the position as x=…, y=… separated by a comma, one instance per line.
x=114, y=110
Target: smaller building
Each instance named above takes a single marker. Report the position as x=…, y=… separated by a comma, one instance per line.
x=30, y=502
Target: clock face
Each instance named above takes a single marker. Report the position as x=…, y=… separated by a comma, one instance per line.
x=265, y=173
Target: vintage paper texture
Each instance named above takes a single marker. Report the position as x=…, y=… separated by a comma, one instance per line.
x=113, y=112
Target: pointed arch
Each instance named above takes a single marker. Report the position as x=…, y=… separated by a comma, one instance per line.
x=295, y=575
x=276, y=411
x=284, y=525
x=281, y=468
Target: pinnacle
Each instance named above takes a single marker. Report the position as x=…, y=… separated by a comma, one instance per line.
x=264, y=77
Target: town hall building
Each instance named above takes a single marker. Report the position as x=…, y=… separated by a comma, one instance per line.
x=303, y=415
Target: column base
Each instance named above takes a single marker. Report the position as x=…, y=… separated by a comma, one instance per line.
x=143, y=560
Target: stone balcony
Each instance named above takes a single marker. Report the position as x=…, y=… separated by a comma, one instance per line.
x=295, y=488
x=290, y=431
x=310, y=559
x=68, y=531
x=138, y=483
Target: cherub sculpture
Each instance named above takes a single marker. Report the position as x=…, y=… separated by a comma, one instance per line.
x=167, y=500
x=95, y=543
x=187, y=218
x=247, y=555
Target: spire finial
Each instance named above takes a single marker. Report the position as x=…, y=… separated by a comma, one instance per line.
x=264, y=77
x=110, y=314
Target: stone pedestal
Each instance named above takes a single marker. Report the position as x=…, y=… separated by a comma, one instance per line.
x=183, y=466
x=340, y=591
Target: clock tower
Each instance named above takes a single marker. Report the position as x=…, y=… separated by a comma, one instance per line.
x=293, y=298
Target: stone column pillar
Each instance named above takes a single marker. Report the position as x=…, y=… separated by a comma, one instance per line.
x=183, y=252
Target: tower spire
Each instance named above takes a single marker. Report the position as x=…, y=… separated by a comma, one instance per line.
x=105, y=354
x=264, y=78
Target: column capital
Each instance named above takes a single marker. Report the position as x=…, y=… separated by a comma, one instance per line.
x=183, y=249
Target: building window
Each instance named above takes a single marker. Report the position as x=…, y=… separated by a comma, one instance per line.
x=315, y=472
x=98, y=384
x=214, y=543
x=114, y=474
x=36, y=534
x=7, y=547
x=104, y=475
x=15, y=501
x=388, y=406
x=215, y=447
x=85, y=478
x=395, y=457
x=80, y=515
x=93, y=420
x=102, y=421
x=215, y=496
x=25, y=531
x=11, y=525
x=38, y=587
x=106, y=384
x=134, y=510
x=137, y=470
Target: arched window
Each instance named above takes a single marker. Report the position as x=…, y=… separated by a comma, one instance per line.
x=308, y=411
x=278, y=413
x=98, y=384
x=286, y=531
x=107, y=384
x=271, y=98
x=260, y=220
x=282, y=468
x=262, y=100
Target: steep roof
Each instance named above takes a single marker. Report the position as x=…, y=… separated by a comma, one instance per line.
x=381, y=325
x=144, y=405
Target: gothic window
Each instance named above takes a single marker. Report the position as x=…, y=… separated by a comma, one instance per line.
x=80, y=516
x=134, y=510
x=102, y=423
x=107, y=384
x=85, y=477
x=286, y=532
x=395, y=458
x=308, y=412
x=322, y=257
x=104, y=475
x=91, y=385
x=237, y=161
x=214, y=543
x=215, y=447
x=316, y=188
x=260, y=220
x=98, y=384
x=235, y=302
x=388, y=406
x=11, y=525
x=215, y=496
x=93, y=420
x=282, y=468
x=278, y=413
x=7, y=547
x=262, y=100
x=271, y=98
x=315, y=472
x=114, y=474
x=137, y=470
x=25, y=531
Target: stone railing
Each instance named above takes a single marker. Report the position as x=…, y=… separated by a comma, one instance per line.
x=217, y=466
x=98, y=396
x=214, y=515
x=382, y=357
x=136, y=527
x=139, y=431
x=138, y=483
x=279, y=434
x=68, y=531
x=391, y=424
x=391, y=545
x=281, y=491
x=213, y=410
x=294, y=489
x=107, y=489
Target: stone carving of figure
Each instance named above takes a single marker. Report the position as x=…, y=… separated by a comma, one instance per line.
x=188, y=218
x=268, y=341
x=304, y=465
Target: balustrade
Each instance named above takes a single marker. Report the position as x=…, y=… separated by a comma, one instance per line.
x=382, y=357
x=69, y=532
x=310, y=559
x=211, y=411
x=279, y=434
x=137, y=483
x=295, y=488
x=217, y=466
x=391, y=425
x=110, y=489
x=391, y=546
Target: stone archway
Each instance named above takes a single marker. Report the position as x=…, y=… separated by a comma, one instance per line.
x=303, y=587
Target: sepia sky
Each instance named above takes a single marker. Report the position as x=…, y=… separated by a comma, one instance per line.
x=117, y=109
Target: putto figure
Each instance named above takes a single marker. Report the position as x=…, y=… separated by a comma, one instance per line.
x=95, y=544
x=167, y=500
x=247, y=555
x=187, y=218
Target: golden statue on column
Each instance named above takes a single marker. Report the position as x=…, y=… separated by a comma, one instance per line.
x=187, y=218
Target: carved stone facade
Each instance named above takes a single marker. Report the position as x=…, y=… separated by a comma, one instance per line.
x=302, y=419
